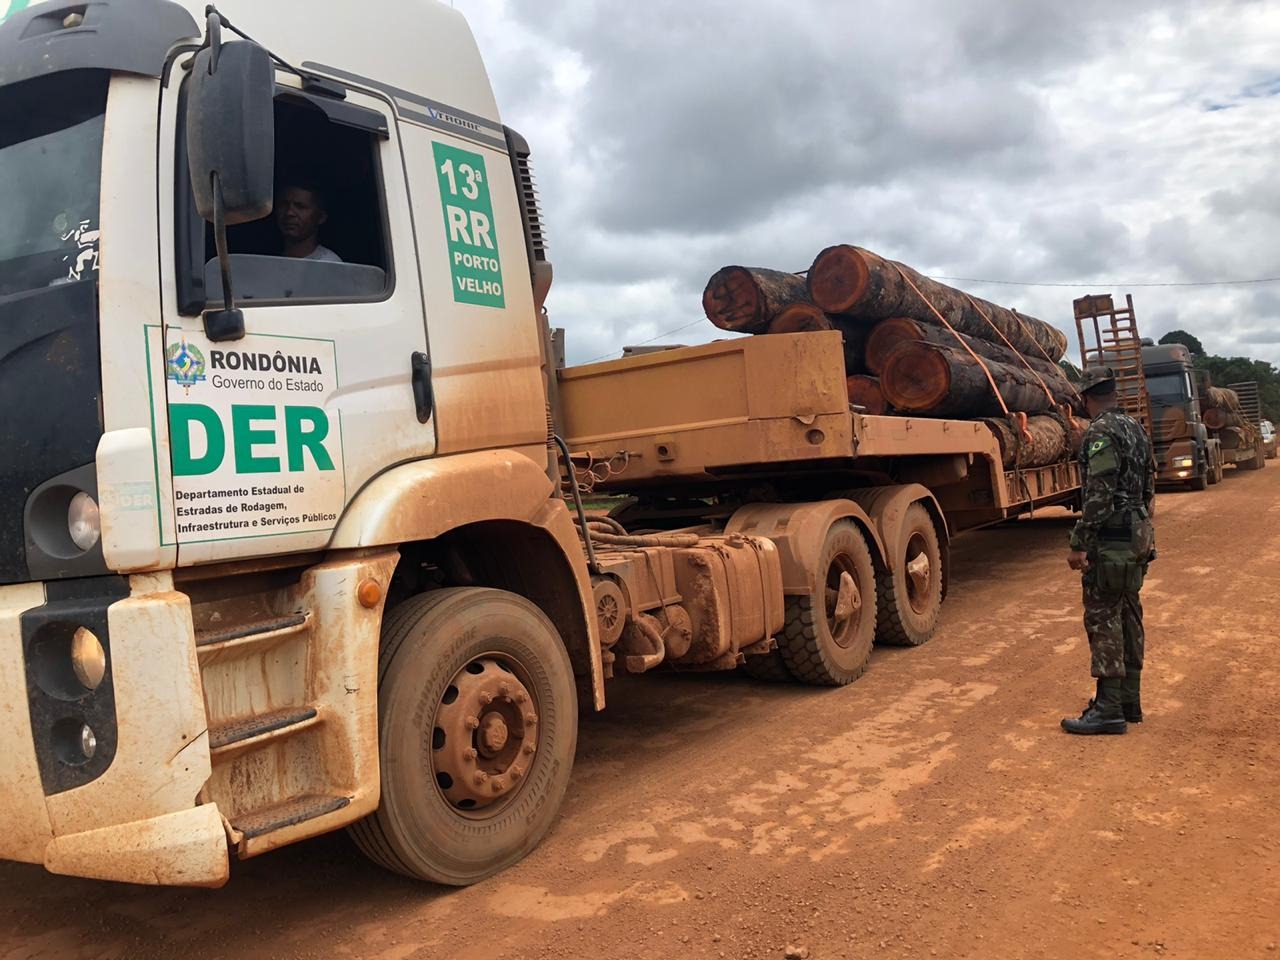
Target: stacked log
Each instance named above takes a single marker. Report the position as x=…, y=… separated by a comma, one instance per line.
x=854, y=282
x=930, y=379
x=1044, y=440
x=866, y=395
x=747, y=299
x=978, y=360
x=1220, y=408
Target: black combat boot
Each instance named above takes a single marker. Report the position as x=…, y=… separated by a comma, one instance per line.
x=1131, y=696
x=1103, y=715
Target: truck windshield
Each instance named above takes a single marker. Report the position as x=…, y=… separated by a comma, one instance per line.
x=1169, y=387
x=50, y=174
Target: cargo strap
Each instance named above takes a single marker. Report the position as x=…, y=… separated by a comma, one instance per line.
x=1016, y=352
x=959, y=338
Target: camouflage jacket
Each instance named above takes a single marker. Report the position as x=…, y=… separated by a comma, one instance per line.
x=1119, y=476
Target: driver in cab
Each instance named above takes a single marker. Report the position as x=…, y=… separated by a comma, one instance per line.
x=300, y=211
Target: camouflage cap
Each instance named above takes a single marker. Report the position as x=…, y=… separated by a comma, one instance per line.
x=1098, y=380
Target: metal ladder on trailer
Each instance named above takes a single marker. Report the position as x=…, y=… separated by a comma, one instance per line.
x=1115, y=343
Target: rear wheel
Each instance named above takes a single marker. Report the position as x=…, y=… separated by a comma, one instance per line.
x=477, y=716
x=910, y=597
x=828, y=634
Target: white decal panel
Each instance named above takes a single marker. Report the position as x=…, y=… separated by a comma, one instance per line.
x=255, y=440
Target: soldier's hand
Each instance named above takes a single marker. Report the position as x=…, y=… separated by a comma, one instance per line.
x=1078, y=560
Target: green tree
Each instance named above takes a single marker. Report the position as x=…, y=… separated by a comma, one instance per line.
x=1188, y=340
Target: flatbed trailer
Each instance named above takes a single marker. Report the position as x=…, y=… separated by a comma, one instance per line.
x=725, y=418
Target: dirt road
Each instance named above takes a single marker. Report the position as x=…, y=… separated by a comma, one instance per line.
x=933, y=808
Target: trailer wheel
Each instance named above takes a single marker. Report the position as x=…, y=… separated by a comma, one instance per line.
x=910, y=598
x=1214, y=475
x=477, y=716
x=828, y=634
x=1219, y=470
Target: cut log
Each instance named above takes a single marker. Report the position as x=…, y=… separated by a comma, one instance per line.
x=1048, y=443
x=800, y=318
x=806, y=318
x=927, y=378
x=855, y=282
x=887, y=334
x=746, y=299
x=865, y=393
x=1220, y=408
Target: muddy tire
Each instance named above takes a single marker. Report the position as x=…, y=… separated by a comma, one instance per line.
x=1200, y=481
x=821, y=643
x=477, y=721
x=910, y=598
x=769, y=667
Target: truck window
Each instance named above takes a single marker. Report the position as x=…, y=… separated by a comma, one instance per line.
x=1169, y=387
x=329, y=178
x=50, y=169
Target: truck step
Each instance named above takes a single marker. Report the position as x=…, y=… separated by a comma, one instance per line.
x=238, y=731
x=255, y=823
x=275, y=626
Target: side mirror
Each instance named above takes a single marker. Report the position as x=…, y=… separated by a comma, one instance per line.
x=231, y=131
x=230, y=149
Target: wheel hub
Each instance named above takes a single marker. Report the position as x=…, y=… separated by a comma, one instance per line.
x=843, y=606
x=484, y=736
x=919, y=574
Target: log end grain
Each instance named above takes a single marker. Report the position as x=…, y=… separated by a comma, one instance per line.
x=865, y=392
x=915, y=377
x=839, y=278
x=732, y=301
x=885, y=336
x=800, y=318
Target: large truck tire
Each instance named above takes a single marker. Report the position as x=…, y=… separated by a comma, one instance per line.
x=909, y=600
x=1201, y=480
x=769, y=667
x=828, y=634
x=477, y=718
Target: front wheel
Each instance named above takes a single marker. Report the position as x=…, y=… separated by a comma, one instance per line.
x=477, y=716
x=828, y=634
x=1200, y=481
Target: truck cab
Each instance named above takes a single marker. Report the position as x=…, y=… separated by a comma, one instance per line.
x=1184, y=451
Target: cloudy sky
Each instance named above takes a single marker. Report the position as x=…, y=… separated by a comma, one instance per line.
x=1027, y=140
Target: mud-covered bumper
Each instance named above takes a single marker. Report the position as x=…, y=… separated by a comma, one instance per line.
x=129, y=812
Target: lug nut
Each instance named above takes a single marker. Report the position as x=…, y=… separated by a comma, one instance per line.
x=515, y=773
x=473, y=723
x=480, y=778
x=520, y=696
x=528, y=748
x=498, y=786
x=505, y=690
x=486, y=698
x=531, y=718
x=470, y=753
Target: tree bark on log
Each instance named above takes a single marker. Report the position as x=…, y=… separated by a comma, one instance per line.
x=865, y=392
x=887, y=334
x=927, y=378
x=1048, y=444
x=1220, y=408
x=858, y=283
x=746, y=299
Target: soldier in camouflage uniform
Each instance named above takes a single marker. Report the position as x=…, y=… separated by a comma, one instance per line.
x=1111, y=545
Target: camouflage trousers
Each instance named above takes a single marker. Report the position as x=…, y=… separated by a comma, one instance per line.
x=1113, y=622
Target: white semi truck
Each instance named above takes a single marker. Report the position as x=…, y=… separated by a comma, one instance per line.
x=286, y=544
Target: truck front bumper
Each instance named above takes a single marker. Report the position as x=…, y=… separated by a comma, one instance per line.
x=131, y=812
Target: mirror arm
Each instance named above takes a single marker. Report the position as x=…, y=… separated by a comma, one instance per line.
x=227, y=323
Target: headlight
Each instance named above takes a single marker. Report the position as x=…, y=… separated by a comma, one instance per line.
x=83, y=522
x=1183, y=461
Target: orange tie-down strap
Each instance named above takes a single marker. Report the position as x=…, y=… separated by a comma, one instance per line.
x=1016, y=352
x=1020, y=422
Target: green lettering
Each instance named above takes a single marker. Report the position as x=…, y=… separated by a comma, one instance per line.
x=181, y=417
x=246, y=437
x=296, y=439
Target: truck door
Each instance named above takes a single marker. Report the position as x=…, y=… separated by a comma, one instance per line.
x=271, y=435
